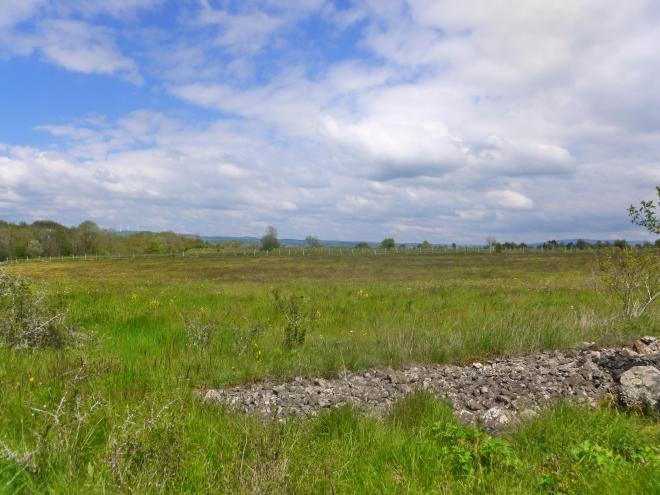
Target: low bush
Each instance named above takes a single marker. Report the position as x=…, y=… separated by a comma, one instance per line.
x=298, y=318
x=29, y=320
x=630, y=277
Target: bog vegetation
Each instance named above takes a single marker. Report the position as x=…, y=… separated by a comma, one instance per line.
x=113, y=408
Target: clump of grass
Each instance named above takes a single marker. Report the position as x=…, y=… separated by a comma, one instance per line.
x=61, y=434
x=246, y=335
x=145, y=450
x=89, y=440
x=28, y=320
x=298, y=319
x=418, y=410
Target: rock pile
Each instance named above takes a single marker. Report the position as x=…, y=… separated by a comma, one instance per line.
x=492, y=393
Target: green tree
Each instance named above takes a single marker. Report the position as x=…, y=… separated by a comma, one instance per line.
x=581, y=244
x=646, y=215
x=621, y=244
x=269, y=240
x=312, y=241
x=156, y=244
x=5, y=244
x=34, y=248
x=362, y=245
x=387, y=243
x=87, y=237
x=425, y=245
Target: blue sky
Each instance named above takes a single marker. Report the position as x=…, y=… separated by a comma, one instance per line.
x=358, y=119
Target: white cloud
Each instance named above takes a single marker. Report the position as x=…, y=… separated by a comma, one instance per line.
x=13, y=12
x=241, y=33
x=230, y=170
x=118, y=8
x=511, y=199
x=54, y=31
x=452, y=120
x=522, y=158
x=78, y=46
x=255, y=24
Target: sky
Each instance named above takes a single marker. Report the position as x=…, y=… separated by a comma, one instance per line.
x=444, y=120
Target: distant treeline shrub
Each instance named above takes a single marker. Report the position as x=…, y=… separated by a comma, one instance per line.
x=47, y=238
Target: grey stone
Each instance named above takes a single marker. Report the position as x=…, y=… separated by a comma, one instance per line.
x=509, y=385
x=640, y=386
x=496, y=417
x=528, y=414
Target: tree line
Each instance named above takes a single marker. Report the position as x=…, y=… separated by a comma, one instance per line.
x=48, y=238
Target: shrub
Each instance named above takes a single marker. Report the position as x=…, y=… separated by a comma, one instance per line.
x=28, y=320
x=145, y=451
x=387, y=243
x=270, y=241
x=298, y=319
x=312, y=241
x=646, y=215
x=630, y=277
x=199, y=329
x=246, y=336
x=60, y=434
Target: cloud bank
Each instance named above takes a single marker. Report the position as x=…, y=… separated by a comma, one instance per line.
x=440, y=120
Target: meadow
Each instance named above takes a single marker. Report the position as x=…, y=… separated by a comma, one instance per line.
x=120, y=414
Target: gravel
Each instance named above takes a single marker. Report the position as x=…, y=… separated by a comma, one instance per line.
x=490, y=393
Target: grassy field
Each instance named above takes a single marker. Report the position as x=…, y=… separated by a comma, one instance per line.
x=119, y=414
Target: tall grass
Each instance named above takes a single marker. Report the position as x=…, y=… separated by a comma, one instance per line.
x=120, y=414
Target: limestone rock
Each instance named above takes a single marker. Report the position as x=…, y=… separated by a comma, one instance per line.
x=496, y=417
x=640, y=386
x=495, y=393
x=647, y=345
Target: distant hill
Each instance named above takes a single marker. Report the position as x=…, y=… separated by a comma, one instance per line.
x=349, y=244
x=589, y=241
x=255, y=241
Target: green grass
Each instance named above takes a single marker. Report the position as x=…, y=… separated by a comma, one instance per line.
x=373, y=311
